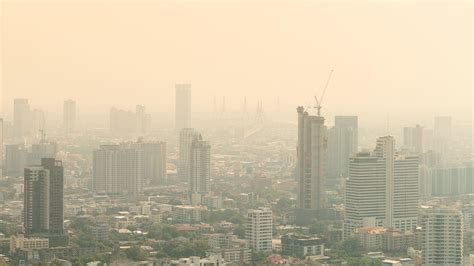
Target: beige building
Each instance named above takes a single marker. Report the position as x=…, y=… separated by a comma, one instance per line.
x=22, y=242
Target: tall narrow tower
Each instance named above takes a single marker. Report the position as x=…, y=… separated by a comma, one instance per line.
x=311, y=165
x=183, y=106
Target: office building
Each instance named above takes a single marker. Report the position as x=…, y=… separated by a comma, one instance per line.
x=342, y=144
x=200, y=166
x=183, y=106
x=56, y=195
x=21, y=117
x=69, y=116
x=413, y=139
x=311, y=161
x=450, y=181
x=258, y=229
x=441, y=236
x=186, y=136
x=382, y=189
x=15, y=160
x=118, y=170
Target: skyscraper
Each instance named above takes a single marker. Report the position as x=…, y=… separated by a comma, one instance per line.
x=154, y=160
x=44, y=201
x=21, y=117
x=442, y=236
x=200, y=166
x=118, y=170
x=342, y=144
x=127, y=122
x=382, y=189
x=413, y=139
x=311, y=168
x=43, y=149
x=69, y=116
x=36, y=200
x=143, y=119
x=259, y=229
x=183, y=106
x=185, y=140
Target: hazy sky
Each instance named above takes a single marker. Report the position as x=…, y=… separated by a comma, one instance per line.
x=387, y=56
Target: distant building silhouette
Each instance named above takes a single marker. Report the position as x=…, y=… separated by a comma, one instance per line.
x=21, y=117
x=69, y=116
x=342, y=144
x=183, y=106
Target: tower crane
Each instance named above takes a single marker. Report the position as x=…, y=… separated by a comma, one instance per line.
x=319, y=101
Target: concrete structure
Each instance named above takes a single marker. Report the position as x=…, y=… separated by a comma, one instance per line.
x=311, y=161
x=258, y=229
x=213, y=260
x=44, y=201
x=342, y=144
x=301, y=246
x=185, y=214
x=69, y=116
x=382, y=189
x=186, y=136
x=118, y=170
x=154, y=160
x=200, y=167
x=450, y=181
x=28, y=243
x=183, y=106
x=441, y=236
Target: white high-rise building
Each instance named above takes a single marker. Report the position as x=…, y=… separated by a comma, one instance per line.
x=442, y=236
x=258, y=229
x=382, y=189
x=186, y=136
x=118, y=170
x=311, y=165
x=200, y=166
x=69, y=116
x=183, y=106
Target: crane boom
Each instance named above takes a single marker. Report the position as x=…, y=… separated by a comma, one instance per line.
x=320, y=100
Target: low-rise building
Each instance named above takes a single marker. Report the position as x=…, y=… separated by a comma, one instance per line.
x=28, y=243
x=301, y=246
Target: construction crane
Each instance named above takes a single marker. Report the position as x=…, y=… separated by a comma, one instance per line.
x=320, y=100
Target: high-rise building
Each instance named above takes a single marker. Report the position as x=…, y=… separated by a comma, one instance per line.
x=342, y=144
x=441, y=236
x=258, y=229
x=69, y=116
x=183, y=106
x=118, y=170
x=43, y=149
x=36, y=200
x=154, y=160
x=44, y=201
x=15, y=159
x=143, y=119
x=311, y=165
x=442, y=136
x=382, y=189
x=127, y=122
x=186, y=136
x=21, y=117
x=200, y=166
x=413, y=139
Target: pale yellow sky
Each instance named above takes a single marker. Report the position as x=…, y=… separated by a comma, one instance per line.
x=387, y=56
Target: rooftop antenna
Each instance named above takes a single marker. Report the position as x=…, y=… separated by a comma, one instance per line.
x=320, y=100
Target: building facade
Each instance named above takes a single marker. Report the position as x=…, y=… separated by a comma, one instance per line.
x=258, y=229
x=183, y=106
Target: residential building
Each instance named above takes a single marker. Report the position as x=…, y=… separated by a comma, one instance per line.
x=258, y=229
